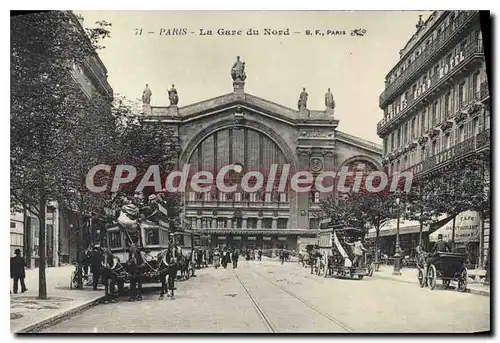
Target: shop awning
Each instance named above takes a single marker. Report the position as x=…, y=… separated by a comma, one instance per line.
x=390, y=228
x=467, y=226
x=266, y=232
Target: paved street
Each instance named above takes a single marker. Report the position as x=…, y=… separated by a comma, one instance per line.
x=270, y=297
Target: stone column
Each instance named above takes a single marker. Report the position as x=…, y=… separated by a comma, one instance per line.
x=303, y=198
x=275, y=223
x=244, y=223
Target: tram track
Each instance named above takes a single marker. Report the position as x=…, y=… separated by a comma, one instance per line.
x=266, y=318
x=307, y=303
x=270, y=326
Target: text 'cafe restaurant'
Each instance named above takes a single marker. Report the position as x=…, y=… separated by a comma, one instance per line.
x=467, y=235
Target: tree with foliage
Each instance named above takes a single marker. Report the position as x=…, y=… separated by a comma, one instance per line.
x=419, y=204
x=362, y=208
x=45, y=103
x=461, y=187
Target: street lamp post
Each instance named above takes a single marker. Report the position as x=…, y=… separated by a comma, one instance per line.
x=397, y=255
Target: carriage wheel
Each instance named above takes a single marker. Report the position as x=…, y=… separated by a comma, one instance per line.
x=462, y=281
x=431, y=276
x=446, y=284
x=420, y=277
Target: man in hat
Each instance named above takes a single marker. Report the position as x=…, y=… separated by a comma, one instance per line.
x=95, y=265
x=235, y=258
x=441, y=245
x=17, y=271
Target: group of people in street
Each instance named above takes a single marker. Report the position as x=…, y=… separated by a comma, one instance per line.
x=224, y=257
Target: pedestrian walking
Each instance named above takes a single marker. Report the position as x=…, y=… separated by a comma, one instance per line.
x=17, y=271
x=95, y=266
x=235, y=259
x=282, y=256
x=172, y=275
x=260, y=255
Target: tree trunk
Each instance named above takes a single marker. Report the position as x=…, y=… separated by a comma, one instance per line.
x=79, y=252
x=453, y=233
x=42, y=282
x=27, y=253
x=377, y=233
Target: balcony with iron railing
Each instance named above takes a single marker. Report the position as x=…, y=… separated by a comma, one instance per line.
x=242, y=204
x=424, y=60
x=471, y=145
x=471, y=53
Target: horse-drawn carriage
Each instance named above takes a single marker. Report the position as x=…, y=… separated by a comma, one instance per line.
x=447, y=266
x=139, y=247
x=337, y=256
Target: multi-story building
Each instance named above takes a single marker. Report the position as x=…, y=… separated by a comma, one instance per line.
x=240, y=128
x=436, y=98
x=91, y=76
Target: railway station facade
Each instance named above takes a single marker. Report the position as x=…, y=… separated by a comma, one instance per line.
x=255, y=133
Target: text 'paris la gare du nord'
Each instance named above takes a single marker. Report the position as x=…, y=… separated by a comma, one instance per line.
x=245, y=32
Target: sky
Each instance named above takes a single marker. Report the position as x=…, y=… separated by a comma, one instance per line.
x=277, y=67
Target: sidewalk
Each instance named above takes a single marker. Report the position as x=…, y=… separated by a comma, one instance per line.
x=409, y=275
x=28, y=313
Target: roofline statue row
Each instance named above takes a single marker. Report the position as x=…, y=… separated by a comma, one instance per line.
x=173, y=96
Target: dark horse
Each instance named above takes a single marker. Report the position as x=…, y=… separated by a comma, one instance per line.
x=135, y=265
x=110, y=271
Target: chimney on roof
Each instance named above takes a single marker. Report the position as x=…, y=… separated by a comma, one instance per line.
x=420, y=23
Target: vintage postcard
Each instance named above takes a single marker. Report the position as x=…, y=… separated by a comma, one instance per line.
x=250, y=172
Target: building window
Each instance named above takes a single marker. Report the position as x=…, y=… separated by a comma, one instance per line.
x=475, y=126
x=12, y=225
x=222, y=196
x=446, y=141
x=192, y=196
x=221, y=223
x=267, y=223
x=422, y=154
x=447, y=104
x=314, y=223
x=434, y=147
x=314, y=197
x=282, y=197
x=461, y=133
x=268, y=197
x=461, y=94
x=206, y=196
x=475, y=85
x=252, y=223
x=115, y=239
x=413, y=126
x=152, y=236
x=253, y=197
x=282, y=223
x=435, y=114
x=237, y=197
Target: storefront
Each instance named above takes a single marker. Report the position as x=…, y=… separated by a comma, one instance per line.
x=466, y=235
x=409, y=237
